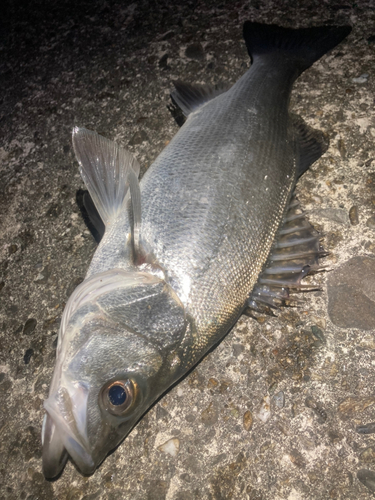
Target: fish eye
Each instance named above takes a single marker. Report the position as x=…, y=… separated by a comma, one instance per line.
x=117, y=396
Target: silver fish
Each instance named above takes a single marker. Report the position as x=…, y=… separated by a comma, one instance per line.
x=168, y=282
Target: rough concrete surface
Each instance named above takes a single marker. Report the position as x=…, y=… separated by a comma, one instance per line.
x=272, y=412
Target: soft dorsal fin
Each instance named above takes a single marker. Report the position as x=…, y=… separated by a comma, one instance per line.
x=107, y=170
x=310, y=143
x=190, y=97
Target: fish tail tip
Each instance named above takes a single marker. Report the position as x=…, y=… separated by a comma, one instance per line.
x=304, y=46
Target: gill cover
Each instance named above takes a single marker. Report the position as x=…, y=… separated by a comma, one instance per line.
x=113, y=360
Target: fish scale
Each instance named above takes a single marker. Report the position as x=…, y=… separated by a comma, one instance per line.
x=229, y=240
x=168, y=281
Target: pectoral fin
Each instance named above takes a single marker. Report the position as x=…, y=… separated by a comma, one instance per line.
x=105, y=168
x=108, y=171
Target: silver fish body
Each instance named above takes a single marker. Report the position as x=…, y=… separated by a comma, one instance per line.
x=164, y=288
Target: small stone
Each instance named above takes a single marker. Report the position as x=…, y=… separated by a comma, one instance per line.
x=27, y=356
x=283, y=427
x=279, y=399
x=168, y=35
x=195, y=51
x=351, y=406
x=318, y=333
x=342, y=149
x=351, y=294
x=237, y=349
x=29, y=326
x=43, y=276
x=371, y=222
x=54, y=211
x=247, y=420
x=264, y=411
x=12, y=249
x=170, y=447
x=335, y=437
x=307, y=443
x=297, y=459
x=361, y=79
x=212, y=382
x=353, y=216
x=138, y=138
x=317, y=408
x=368, y=455
x=366, y=429
x=367, y=477
x=209, y=415
x=333, y=214
x=163, y=61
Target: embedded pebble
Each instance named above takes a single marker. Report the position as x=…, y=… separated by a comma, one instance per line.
x=368, y=455
x=360, y=79
x=371, y=222
x=367, y=477
x=195, y=51
x=342, y=149
x=163, y=61
x=209, y=415
x=307, y=443
x=279, y=399
x=317, y=408
x=138, y=138
x=264, y=412
x=333, y=214
x=170, y=447
x=351, y=294
x=29, y=326
x=353, y=215
x=366, y=429
x=12, y=249
x=27, y=356
x=318, y=333
x=247, y=420
x=297, y=459
x=351, y=406
x=43, y=276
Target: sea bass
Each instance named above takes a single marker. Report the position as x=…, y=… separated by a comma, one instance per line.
x=210, y=231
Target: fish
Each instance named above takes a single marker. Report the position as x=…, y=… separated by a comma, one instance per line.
x=211, y=231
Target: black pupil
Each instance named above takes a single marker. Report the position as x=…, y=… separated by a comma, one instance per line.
x=117, y=395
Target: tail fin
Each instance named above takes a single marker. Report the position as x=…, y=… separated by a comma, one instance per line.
x=303, y=46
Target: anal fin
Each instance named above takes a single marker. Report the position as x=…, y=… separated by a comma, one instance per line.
x=294, y=255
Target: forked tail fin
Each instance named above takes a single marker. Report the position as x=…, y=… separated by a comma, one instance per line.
x=302, y=46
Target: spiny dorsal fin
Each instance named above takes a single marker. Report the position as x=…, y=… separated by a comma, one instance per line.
x=294, y=255
x=189, y=97
x=108, y=170
x=310, y=143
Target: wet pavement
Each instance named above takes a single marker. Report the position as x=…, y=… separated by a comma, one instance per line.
x=277, y=410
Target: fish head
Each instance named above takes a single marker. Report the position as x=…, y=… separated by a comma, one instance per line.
x=117, y=353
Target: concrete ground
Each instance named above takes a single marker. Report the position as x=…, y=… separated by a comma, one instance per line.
x=275, y=411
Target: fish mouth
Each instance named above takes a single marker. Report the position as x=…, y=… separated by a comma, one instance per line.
x=64, y=432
